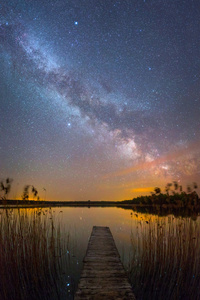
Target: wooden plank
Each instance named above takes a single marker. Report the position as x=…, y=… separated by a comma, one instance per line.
x=103, y=275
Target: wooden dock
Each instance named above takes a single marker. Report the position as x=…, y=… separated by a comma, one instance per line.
x=103, y=275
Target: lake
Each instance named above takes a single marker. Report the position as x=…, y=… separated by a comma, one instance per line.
x=160, y=254
x=79, y=222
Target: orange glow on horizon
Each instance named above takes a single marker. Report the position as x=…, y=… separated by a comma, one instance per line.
x=143, y=189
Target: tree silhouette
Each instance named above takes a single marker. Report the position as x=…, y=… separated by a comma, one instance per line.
x=157, y=190
x=34, y=191
x=195, y=186
x=167, y=188
x=175, y=185
x=5, y=186
x=25, y=195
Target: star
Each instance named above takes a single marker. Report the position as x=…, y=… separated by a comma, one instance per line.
x=110, y=96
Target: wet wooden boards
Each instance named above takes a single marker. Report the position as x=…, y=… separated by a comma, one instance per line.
x=103, y=275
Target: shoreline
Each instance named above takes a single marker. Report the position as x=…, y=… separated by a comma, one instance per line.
x=153, y=209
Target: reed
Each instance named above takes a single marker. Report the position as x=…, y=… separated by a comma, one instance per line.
x=33, y=255
x=165, y=260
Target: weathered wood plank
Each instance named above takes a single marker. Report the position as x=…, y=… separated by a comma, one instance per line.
x=103, y=275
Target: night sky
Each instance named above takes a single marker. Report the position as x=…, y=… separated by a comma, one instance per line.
x=99, y=100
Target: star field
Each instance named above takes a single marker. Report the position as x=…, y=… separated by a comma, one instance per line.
x=99, y=100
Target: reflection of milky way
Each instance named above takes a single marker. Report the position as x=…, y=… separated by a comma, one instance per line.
x=102, y=130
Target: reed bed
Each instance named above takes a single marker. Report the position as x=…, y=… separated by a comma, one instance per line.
x=165, y=260
x=33, y=255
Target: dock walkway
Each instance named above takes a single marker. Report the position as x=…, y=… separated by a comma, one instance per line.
x=103, y=275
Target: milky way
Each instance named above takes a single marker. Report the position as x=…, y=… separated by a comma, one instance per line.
x=99, y=99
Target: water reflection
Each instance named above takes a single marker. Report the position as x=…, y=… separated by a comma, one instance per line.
x=80, y=221
x=159, y=253
x=166, y=258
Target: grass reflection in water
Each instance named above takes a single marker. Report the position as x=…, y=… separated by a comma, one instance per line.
x=166, y=259
x=34, y=257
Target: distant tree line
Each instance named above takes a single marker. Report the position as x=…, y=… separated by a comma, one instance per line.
x=174, y=195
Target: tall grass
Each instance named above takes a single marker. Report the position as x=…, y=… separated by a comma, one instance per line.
x=166, y=259
x=33, y=255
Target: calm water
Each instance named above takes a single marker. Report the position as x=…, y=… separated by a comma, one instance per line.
x=162, y=252
x=124, y=225
x=79, y=222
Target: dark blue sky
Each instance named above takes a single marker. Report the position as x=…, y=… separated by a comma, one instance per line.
x=99, y=99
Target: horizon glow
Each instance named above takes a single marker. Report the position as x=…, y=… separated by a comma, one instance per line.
x=99, y=100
